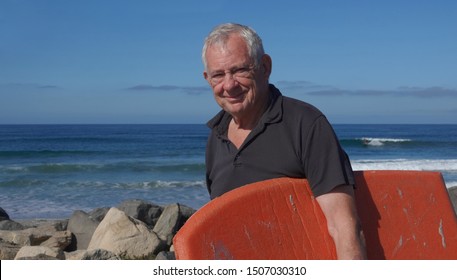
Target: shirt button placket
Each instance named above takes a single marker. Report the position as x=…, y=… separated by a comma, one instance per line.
x=236, y=160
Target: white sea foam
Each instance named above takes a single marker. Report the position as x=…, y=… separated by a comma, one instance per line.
x=160, y=184
x=35, y=208
x=406, y=164
x=381, y=141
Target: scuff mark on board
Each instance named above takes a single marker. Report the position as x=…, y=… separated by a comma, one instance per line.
x=399, y=245
x=441, y=232
x=400, y=193
x=291, y=200
x=220, y=251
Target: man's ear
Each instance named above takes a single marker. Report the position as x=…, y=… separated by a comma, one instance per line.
x=267, y=65
x=205, y=75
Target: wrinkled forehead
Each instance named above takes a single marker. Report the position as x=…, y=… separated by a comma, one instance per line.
x=232, y=52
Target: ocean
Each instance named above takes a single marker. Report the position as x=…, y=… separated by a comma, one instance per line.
x=49, y=171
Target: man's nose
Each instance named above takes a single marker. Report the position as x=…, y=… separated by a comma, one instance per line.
x=229, y=81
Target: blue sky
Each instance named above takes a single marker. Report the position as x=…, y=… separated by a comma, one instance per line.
x=92, y=61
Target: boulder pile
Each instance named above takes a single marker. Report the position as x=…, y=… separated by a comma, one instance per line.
x=135, y=229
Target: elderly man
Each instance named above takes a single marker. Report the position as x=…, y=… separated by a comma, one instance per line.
x=261, y=134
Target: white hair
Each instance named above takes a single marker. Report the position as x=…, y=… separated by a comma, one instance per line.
x=221, y=33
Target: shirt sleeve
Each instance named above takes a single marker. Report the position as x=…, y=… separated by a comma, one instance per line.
x=326, y=163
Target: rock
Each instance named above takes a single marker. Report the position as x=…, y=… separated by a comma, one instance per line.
x=8, y=250
x=60, y=240
x=125, y=236
x=96, y=254
x=30, y=237
x=74, y=255
x=141, y=210
x=99, y=214
x=154, y=214
x=38, y=257
x=39, y=252
x=172, y=219
x=32, y=233
x=99, y=254
x=102, y=234
x=186, y=212
x=165, y=255
x=57, y=225
x=10, y=225
x=83, y=226
x=3, y=215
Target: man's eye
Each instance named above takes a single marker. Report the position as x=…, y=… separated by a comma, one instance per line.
x=242, y=72
x=218, y=75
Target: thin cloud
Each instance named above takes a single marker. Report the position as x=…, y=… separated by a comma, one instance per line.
x=153, y=88
x=196, y=90
x=167, y=88
x=340, y=92
x=328, y=92
x=304, y=86
x=431, y=92
x=308, y=88
x=27, y=87
x=48, y=87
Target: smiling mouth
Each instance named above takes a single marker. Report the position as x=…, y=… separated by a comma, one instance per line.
x=235, y=98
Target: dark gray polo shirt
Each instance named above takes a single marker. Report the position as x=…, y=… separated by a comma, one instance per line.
x=292, y=139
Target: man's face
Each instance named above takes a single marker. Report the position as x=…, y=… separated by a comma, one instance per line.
x=237, y=86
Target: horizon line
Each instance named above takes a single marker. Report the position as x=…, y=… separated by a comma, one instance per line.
x=204, y=123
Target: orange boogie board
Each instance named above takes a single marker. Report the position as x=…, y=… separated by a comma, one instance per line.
x=404, y=214
x=274, y=219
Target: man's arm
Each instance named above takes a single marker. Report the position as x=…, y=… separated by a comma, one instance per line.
x=343, y=223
